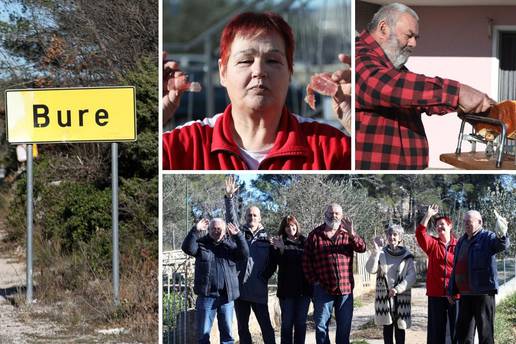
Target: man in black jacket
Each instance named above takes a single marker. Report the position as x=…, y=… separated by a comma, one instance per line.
x=216, y=281
x=253, y=284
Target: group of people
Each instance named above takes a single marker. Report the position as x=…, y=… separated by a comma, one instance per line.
x=234, y=263
x=257, y=130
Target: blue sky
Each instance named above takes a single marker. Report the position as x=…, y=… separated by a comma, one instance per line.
x=247, y=178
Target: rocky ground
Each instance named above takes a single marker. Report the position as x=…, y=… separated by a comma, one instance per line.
x=23, y=324
x=363, y=329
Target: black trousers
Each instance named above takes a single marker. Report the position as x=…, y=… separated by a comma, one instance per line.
x=479, y=311
x=398, y=334
x=261, y=311
x=440, y=312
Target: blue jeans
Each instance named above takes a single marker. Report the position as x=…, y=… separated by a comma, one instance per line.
x=205, y=309
x=293, y=317
x=323, y=306
x=261, y=311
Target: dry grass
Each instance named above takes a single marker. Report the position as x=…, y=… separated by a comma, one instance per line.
x=70, y=294
x=89, y=305
x=369, y=330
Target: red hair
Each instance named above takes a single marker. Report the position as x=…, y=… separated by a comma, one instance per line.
x=249, y=24
x=445, y=219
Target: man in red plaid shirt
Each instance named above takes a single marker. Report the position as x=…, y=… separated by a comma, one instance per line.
x=390, y=99
x=328, y=264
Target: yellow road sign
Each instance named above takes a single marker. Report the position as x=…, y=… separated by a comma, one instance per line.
x=96, y=114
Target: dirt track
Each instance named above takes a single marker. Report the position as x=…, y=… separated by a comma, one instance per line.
x=24, y=325
x=365, y=314
x=17, y=325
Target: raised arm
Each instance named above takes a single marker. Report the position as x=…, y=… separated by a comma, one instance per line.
x=231, y=189
x=372, y=262
x=501, y=242
x=190, y=245
x=423, y=239
x=355, y=240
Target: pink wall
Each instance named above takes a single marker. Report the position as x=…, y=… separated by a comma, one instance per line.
x=459, y=31
x=442, y=131
x=455, y=44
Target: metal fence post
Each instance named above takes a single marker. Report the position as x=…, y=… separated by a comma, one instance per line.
x=504, y=272
x=185, y=302
x=168, y=308
x=174, y=309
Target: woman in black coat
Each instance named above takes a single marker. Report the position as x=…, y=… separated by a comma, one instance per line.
x=294, y=292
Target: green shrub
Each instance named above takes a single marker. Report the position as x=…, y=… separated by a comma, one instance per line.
x=74, y=213
x=505, y=321
x=173, y=304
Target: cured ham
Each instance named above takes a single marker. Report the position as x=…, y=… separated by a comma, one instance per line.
x=505, y=112
x=322, y=84
x=181, y=83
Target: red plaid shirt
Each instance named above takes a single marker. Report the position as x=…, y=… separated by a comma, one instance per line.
x=389, y=103
x=330, y=261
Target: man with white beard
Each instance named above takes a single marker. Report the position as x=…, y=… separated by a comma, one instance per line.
x=328, y=264
x=390, y=99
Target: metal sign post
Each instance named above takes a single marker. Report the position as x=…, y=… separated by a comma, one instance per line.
x=63, y=115
x=29, y=224
x=114, y=212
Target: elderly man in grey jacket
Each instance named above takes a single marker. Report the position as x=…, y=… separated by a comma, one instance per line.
x=253, y=284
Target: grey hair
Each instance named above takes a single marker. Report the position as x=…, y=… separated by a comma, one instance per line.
x=329, y=206
x=395, y=228
x=390, y=13
x=216, y=219
x=474, y=214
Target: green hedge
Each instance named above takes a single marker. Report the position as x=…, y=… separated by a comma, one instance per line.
x=505, y=321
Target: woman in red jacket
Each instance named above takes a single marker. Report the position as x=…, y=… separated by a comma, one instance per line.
x=256, y=131
x=440, y=252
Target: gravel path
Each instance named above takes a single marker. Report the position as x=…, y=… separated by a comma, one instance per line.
x=362, y=315
x=24, y=325
x=17, y=325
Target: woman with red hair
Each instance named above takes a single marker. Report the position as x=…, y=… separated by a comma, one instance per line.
x=256, y=131
x=440, y=252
